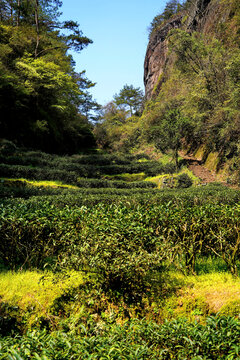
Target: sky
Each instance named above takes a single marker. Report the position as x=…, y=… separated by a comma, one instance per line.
x=119, y=32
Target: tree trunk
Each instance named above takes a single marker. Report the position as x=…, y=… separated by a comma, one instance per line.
x=131, y=111
x=18, y=12
x=37, y=26
x=11, y=13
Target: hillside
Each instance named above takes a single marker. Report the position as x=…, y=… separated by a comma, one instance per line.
x=192, y=82
x=193, y=64
x=211, y=18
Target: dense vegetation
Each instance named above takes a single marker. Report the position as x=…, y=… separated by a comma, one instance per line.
x=108, y=253
x=44, y=103
x=137, y=340
x=195, y=101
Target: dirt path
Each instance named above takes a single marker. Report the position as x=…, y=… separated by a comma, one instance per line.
x=199, y=170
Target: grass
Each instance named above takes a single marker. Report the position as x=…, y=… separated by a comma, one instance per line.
x=159, y=179
x=190, y=297
x=34, y=292
x=202, y=295
x=45, y=183
x=126, y=177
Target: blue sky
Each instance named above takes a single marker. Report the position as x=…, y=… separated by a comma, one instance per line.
x=118, y=29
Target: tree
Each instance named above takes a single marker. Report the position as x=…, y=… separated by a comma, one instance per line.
x=87, y=106
x=170, y=130
x=43, y=15
x=203, y=58
x=172, y=7
x=109, y=130
x=41, y=95
x=130, y=97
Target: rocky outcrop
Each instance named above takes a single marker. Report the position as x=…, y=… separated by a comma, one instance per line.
x=206, y=15
x=203, y=16
x=157, y=55
x=196, y=14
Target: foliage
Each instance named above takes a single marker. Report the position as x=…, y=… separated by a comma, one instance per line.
x=119, y=126
x=107, y=131
x=172, y=8
x=175, y=233
x=184, y=181
x=130, y=97
x=169, y=130
x=40, y=92
x=130, y=240
x=118, y=133
x=73, y=170
x=200, y=83
x=136, y=339
x=122, y=238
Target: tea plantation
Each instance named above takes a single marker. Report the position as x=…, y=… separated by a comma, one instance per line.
x=99, y=263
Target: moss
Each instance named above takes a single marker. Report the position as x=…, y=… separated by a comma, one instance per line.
x=212, y=161
x=224, y=173
x=185, y=19
x=199, y=153
x=158, y=83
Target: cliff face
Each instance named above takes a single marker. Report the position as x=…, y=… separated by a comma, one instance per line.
x=203, y=16
x=156, y=55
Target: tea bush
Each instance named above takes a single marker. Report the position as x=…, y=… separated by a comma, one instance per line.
x=124, y=236
x=184, y=181
x=41, y=166
x=126, y=244
x=133, y=340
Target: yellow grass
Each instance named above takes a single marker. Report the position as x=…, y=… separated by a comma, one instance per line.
x=159, y=178
x=126, y=177
x=203, y=295
x=34, y=292
x=43, y=183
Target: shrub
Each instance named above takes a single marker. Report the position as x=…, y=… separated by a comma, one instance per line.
x=184, y=181
x=134, y=339
x=7, y=147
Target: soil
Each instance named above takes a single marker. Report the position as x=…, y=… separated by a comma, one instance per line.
x=195, y=165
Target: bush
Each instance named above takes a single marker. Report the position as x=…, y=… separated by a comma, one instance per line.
x=134, y=339
x=41, y=166
x=184, y=181
x=97, y=237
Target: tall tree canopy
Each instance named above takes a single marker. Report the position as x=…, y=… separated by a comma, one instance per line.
x=130, y=98
x=118, y=126
x=41, y=95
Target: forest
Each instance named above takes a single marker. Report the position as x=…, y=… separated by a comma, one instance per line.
x=113, y=245
x=44, y=102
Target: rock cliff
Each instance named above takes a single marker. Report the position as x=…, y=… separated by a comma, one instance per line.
x=203, y=16
x=157, y=55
